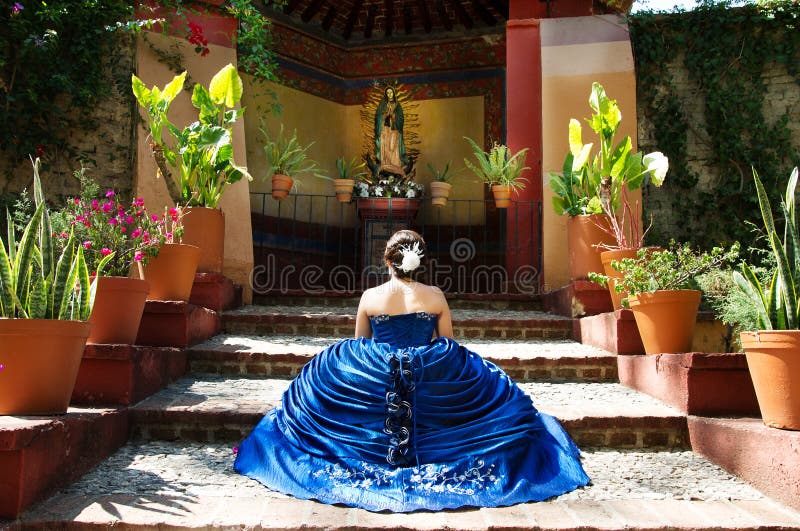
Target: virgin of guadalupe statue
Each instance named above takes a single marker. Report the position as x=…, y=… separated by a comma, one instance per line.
x=390, y=150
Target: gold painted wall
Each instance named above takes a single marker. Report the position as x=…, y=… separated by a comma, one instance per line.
x=335, y=130
x=238, y=233
x=576, y=52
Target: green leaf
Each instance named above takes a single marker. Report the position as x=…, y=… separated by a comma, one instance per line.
x=142, y=94
x=173, y=88
x=226, y=87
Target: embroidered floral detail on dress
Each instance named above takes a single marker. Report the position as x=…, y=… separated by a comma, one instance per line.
x=366, y=477
x=467, y=482
x=380, y=318
x=399, y=425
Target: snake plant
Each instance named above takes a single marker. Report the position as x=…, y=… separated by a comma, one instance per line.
x=34, y=283
x=777, y=302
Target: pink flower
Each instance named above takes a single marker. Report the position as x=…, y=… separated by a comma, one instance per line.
x=168, y=236
x=64, y=235
x=87, y=244
x=129, y=220
x=76, y=201
x=123, y=230
x=138, y=257
x=105, y=251
x=95, y=204
x=136, y=233
x=139, y=213
x=138, y=202
x=146, y=237
x=154, y=217
x=80, y=218
x=108, y=207
x=236, y=449
x=113, y=221
x=110, y=193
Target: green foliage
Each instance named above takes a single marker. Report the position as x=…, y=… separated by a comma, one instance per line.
x=350, y=169
x=586, y=182
x=676, y=267
x=777, y=302
x=34, y=284
x=203, y=150
x=444, y=175
x=286, y=155
x=498, y=165
x=725, y=51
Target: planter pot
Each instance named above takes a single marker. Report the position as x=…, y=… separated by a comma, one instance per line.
x=395, y=208
x=344, y=189
x=118, y=307
x=773, y=357
x=171, y=273
x=606, y=257
x=502, y=195
x=583, y=236
x=41, y=358
x=281, y=186
x=440, y=192
x=666, y=319
x=205, y=228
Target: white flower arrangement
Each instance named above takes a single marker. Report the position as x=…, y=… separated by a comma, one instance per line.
x=389, y=187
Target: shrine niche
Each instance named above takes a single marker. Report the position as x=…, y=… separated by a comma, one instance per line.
x=389, y=124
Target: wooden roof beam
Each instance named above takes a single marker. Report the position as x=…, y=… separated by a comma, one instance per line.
x=484, y=13
x=425, y=15
x=351, y=19
x=462, y=14
x=328, y=20
x=443, y=16
x=501, y=6
x=311, y=10
x=290, y=6
x=408, y=19
x=388, y=19
x=370, y=21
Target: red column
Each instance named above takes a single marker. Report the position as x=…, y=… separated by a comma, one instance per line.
x=524, y=130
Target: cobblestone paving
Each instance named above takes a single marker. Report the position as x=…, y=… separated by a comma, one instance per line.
x=495, y=348
x=457, y=314
x=186, y=469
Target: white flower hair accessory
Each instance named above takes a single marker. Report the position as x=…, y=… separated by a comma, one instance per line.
x=412, y=256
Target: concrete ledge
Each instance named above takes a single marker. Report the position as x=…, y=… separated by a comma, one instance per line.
x=125, y=374
x=615, y=332
x=578, y=298
x=767, y=458
x=215, y=292
x=695, y=383
x=177, y=324
x=40, y=454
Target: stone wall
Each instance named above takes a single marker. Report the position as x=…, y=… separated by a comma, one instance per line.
x=106, y=144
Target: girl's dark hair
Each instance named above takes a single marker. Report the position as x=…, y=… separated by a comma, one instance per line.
x=403, y=239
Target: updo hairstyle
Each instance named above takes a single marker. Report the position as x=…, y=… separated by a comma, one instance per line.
x=401, y=243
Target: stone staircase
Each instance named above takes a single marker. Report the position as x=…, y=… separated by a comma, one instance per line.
x=176, y=471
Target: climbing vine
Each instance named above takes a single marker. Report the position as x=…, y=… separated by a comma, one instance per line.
x=726, y=53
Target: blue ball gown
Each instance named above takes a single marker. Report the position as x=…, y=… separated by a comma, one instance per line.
x=401, y=423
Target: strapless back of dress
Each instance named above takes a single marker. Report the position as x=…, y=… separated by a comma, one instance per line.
x=404, y=330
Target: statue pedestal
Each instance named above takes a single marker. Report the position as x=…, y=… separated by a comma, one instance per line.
x=380, y=218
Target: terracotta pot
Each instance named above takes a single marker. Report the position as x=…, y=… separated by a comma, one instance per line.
x=40, y=359
x=344, y=189
x=118, y=307
x=281, y=186
x=396, y=208
x=171, y=273
x=773, y=357
x=205, y=228
x=606, y=257
x=439, y=193
x=666, y=319
x=502, y=195
x=583, y=236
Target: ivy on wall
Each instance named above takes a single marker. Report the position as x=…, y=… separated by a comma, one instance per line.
x=725, y=52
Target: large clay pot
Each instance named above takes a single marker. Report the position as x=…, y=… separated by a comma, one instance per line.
x=205, y=228
x=344, y=189
x=584, y=233
x=502, y=195
x=773, y=357
x=40, y=359
x=171, y=273
x=666, y=319
x=281, y=186
x=440, y=192
x=117, y=311
x=606, y=257
x=396, y=208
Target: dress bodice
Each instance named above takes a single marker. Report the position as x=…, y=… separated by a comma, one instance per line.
x=404, y=330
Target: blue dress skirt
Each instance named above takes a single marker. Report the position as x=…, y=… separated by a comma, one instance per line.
x=403, y=423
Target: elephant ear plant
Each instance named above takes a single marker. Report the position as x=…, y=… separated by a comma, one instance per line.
x=34, y=283
x=776, y=303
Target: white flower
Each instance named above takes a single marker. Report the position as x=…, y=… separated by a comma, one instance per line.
x=378, y=191
x=411, y=258
x=657, y=164
x=411, y=193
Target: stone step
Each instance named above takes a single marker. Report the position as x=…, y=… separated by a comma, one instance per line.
x=160, y=485
x=220, y=409
x=523, y=360
x=347, y=299
x=341, y=322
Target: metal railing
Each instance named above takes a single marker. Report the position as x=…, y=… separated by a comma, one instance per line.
x=315, y=244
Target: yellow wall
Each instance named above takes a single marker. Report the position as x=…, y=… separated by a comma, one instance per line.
x=238, y=234
x=335, y=130
x=576, y=52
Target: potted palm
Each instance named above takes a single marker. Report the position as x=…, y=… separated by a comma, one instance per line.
x=349, y=171
x=286, y=158
x=202, y=154
x=773, y=349
x=585, y=178
x=663, y=294
x=45, y=303
x=442, y=183
x=499, y=169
